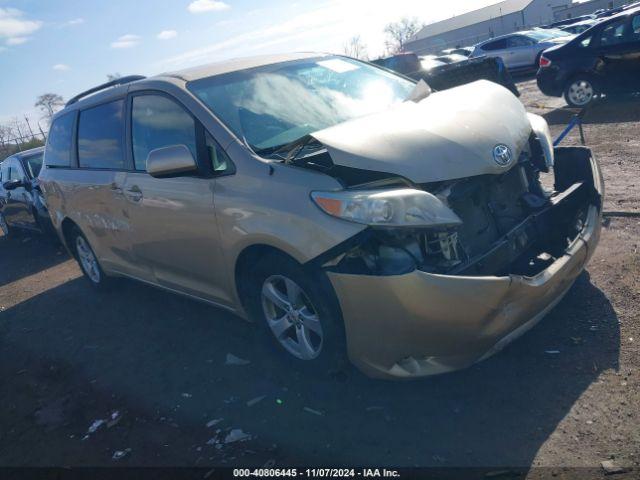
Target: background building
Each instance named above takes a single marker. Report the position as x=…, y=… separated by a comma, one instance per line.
x=578, y=9
x=498, y=19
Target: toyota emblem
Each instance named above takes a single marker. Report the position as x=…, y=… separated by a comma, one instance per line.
x=502, y=155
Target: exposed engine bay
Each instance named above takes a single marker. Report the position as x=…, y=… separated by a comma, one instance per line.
x=511, y=223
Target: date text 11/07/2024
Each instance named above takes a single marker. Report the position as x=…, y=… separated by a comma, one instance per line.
x=316, y=473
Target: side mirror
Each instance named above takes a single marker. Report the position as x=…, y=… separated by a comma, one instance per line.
x=12, y=184
x=170, y=161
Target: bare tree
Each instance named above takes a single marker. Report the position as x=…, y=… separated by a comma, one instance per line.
x=399, y=33
x=49, y=103
x=355, y=48
x=5, y=134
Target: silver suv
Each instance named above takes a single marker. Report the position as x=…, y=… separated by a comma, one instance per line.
x=521, y=50
x=342, y=208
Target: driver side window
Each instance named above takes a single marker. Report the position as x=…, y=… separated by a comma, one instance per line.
x=156, y=122
x=635, y=28
x=15, y=171
x=613, y=34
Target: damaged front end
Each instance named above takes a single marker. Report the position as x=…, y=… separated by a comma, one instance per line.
x=508, y=224
x=474, y=226
x=425, y=300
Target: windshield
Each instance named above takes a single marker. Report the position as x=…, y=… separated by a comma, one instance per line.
x=33, y=165
x=275, y=105
x=547, y=34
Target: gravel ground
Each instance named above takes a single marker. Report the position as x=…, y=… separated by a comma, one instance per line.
x=152, y=366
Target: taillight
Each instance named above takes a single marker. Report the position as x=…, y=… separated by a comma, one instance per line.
x=544, y=62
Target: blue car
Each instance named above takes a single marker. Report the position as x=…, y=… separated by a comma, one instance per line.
x=22, y=205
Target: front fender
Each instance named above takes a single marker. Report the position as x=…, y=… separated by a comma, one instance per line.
x=540, y=128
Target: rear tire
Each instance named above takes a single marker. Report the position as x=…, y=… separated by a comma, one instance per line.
x=88, y=261
x=580, y=92
x=298, y=315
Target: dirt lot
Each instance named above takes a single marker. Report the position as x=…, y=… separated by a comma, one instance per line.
x=152, y=364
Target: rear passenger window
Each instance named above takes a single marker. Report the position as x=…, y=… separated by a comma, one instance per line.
x=58, y=151
x=156, y=122
x=514, y=42
x=100, y=135
x=495, y=45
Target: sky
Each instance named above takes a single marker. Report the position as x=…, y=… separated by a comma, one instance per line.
x=67, y=46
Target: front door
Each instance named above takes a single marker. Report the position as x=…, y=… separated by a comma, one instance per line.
x=174, y=231
x=17, y=210
x=522, y=52
x=619, y=55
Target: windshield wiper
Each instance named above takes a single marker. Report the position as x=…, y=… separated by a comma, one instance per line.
x=288, y=151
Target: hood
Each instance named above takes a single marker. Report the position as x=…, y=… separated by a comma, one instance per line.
x=448, y=135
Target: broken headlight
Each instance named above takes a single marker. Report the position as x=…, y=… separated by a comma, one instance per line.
x=404, y=207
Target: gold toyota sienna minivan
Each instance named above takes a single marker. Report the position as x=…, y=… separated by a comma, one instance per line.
x=341, y=207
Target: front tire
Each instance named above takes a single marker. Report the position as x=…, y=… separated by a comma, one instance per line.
x=298, y=314
x=88, y=261
x=580, y=92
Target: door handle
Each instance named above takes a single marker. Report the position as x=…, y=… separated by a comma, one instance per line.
x=134, y=194
x=115, y=188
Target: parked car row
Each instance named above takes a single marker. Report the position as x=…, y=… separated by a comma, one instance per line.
x=338, y=205
x=581, y=59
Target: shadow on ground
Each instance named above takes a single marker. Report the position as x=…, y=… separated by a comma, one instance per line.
x=614, y=110
x=23, y=254
x=71, y=355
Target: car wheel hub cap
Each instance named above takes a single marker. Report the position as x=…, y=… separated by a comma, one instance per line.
x=88, y=260
x=581, y=92
x=292, y=318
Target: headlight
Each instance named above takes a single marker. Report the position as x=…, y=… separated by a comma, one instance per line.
x=405, y=207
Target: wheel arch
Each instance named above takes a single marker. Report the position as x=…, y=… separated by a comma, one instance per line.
x=582, y=73
x=66, y=227
x=246, y=259
x=252, y=254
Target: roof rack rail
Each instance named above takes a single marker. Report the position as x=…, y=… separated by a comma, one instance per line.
x=112, y=83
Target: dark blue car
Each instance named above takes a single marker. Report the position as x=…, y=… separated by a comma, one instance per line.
x=604, y=59
x=22, y=205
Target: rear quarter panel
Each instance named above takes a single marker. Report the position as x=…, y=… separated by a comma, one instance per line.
x=86, y=198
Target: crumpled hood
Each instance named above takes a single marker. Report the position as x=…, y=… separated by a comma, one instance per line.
x=448, y=135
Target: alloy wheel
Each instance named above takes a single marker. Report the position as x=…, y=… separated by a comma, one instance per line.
x=292, y=318
x=88, y=260
x=581, y=92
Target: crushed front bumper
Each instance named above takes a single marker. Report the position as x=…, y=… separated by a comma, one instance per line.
x=420, y=324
